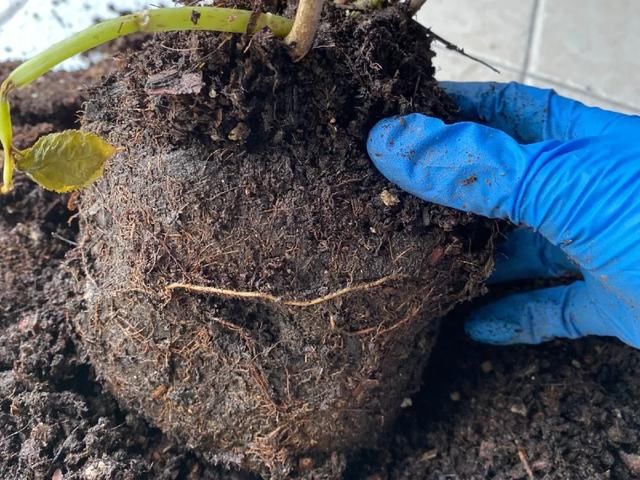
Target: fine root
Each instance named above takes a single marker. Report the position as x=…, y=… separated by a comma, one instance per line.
x=268, y=298
x=379, y=331
x=256, y=372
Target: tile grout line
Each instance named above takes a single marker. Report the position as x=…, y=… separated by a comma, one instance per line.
x=533, y=33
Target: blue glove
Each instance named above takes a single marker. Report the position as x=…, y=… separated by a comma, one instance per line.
x=568, y=174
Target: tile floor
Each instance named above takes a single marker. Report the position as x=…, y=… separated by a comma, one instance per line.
x=585, y=49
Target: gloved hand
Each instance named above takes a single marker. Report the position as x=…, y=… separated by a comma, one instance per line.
x=568, y=174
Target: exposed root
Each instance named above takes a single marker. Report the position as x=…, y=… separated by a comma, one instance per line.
x=255, y=370
x=266, y=447
x=381, y=331
x=268, y=298
x=305, y=25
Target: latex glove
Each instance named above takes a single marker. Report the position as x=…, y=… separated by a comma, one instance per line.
x=567, y=171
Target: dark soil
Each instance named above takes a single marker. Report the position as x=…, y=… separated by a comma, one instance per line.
x=243, y=171
x=569, y=409
x=571, y=406
x=54, y=418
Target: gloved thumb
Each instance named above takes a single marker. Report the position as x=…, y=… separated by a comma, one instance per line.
x=568, y=311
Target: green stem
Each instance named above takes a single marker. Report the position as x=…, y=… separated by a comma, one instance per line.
x=6, y=138
x=156, y=20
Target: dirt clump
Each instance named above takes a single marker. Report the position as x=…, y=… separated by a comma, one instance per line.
x=247, y=174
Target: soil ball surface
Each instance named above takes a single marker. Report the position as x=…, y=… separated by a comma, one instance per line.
x=253, y=286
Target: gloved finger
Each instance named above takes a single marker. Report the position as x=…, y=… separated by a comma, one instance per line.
x=541, y=315
x=531, y=114
x=465, y=165
x=525, y=254
x=483, y=170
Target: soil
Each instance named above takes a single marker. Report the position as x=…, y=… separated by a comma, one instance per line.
x=55, y=420
x=571, y=406
x=564, y=410
x=246, y=173
x=567, y=410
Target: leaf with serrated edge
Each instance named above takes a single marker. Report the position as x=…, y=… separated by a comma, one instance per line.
x=65, y=161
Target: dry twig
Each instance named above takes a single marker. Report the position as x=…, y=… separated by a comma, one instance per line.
x=452, y=46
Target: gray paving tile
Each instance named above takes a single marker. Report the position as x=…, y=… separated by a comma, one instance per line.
x=497, y=30
x=585, y=97
x=591, y=46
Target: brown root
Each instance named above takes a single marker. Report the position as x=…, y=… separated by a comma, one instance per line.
x=305, y=25
x=265, y=297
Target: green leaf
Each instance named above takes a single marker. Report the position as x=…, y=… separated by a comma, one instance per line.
x=65, y=161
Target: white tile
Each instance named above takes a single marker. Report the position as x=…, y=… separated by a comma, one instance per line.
x=497, y=30
x=28, y=27
x=592, y=46
x=453, y=66
x=585, y=97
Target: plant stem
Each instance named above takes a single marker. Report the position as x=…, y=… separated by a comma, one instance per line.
x=156, y=20
x=305, y=25
x=415, y=5
x=6, y=138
